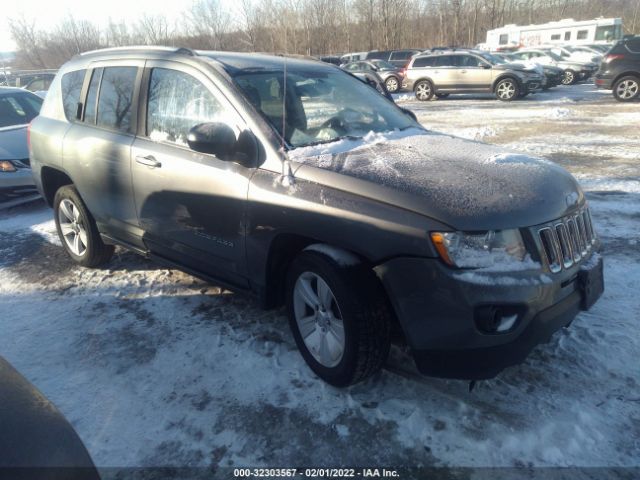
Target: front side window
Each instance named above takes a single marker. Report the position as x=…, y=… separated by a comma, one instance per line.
x=504, y=39
x=116, y=97
x=583, y=34
x=318, y=105
x=177, y=103
x=18, y=108
x=71, y=90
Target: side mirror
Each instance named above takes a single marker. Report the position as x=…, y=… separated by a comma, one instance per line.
x=220, y=140
x=486, y=66
x=214, y=138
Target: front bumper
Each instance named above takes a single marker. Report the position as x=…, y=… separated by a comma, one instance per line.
x=438, y=308
x=533, y=84
x=20, y=179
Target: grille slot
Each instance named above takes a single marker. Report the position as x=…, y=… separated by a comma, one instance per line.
x=567, y=241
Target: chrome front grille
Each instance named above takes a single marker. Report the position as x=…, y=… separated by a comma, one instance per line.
x=567, y=240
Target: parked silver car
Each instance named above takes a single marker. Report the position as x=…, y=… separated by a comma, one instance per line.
x=17, y=108
x=469, y=71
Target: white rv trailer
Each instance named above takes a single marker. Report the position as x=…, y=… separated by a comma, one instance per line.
x=567, y=31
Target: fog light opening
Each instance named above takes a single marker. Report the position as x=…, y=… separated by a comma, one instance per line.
x=496, y=319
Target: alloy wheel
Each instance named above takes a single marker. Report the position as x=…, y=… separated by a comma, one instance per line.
x=392, y=84
x=568, y=77
x=72, y=227
x=506, y=90
x=423, y=91
x=319, y=319
x=627, y=89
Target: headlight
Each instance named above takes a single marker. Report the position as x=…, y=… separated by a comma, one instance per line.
x=7, y=166
x=480, y=250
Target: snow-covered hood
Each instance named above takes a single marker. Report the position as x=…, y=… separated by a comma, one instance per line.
x=13, y=143
x=465, y=184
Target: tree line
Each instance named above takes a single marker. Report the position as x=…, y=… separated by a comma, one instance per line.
x=308, y=27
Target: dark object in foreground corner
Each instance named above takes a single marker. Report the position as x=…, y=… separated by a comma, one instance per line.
x=36, y=441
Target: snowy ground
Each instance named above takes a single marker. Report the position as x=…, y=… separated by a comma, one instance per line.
x=153, y=367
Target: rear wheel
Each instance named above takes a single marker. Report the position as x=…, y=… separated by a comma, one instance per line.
x=339, y=317
x=77, y=229
x=392, y=84
x=569, y=77
x=423, y=90
x=626, y=89
x=507, y=90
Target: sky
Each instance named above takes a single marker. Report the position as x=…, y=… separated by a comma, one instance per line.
x=47, y=13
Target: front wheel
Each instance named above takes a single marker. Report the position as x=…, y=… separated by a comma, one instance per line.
x=507, y=90
x=626, y=89
x=423, y=90
x=77, y=229
x=392, y=84
x=569, y=77
x=339, y=318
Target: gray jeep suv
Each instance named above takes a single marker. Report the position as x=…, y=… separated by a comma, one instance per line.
x=469, y=71
x=295, y=181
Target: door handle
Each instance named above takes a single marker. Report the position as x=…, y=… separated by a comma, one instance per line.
x=149, y=161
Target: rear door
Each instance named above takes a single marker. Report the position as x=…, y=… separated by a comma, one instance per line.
x=447, y=76
x=191, y=206
x=97, y=147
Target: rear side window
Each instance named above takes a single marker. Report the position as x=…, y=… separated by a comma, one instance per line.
x=401, y=55
x=567, y=36
x=178, y=102
x=446, y=61
x=555, y=37
x=92, y=97
x=71, y=89
x=583, y=34
x=633, y=45
x=116, y=97
x=424, y=62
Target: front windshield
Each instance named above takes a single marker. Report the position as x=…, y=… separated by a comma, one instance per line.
x=554, y=56
x=383, y=65
x=18, y=108
x=320, y=105
x=492, y=59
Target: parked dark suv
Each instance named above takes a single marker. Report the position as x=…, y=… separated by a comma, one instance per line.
x=620, y=70
x=294, y=180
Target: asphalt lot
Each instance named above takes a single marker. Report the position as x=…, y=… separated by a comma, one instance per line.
x=156, y=368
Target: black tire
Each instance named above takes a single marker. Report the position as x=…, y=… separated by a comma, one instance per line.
x=96, y=252
x=626, y=89
x=423, y=90
x=507, y=90
x=391, y=88
x=442, y=95
x=569, y=77
x=365, y=312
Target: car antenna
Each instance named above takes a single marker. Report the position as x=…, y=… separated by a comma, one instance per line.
x=287, y=173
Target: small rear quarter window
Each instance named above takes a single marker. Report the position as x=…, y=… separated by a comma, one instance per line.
x=71, y=89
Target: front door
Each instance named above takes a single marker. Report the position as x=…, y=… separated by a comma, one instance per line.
x=190, y=205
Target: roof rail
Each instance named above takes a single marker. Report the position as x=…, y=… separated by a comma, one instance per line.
x=180, y=50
